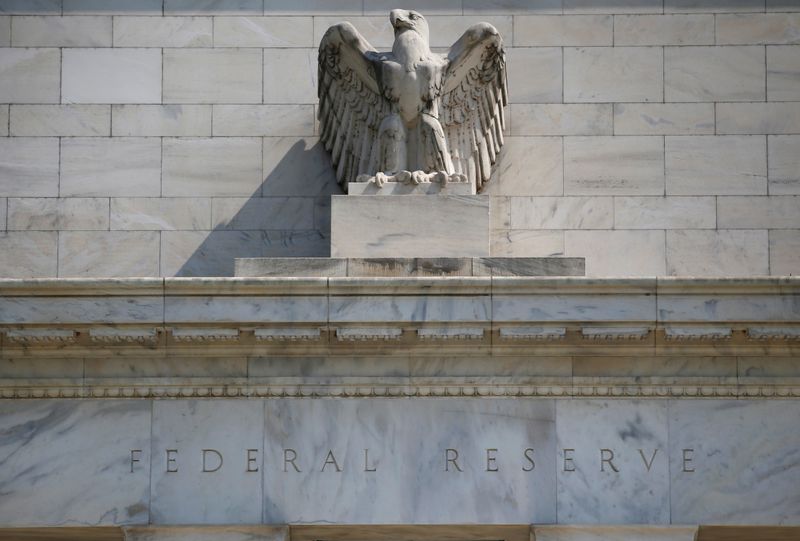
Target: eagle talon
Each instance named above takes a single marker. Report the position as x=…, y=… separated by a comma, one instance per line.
x=403, y=177
x=420, y=177
x=380, y=179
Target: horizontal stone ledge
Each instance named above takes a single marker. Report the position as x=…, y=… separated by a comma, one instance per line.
x=100, y=287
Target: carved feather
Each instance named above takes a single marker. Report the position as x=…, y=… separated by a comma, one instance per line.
x=350, y=105
x=475, y=92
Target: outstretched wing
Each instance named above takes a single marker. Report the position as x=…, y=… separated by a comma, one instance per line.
x=350, y=104
x=473, y=97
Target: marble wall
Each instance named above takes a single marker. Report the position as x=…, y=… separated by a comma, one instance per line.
x=384, y=461
x=168, y=137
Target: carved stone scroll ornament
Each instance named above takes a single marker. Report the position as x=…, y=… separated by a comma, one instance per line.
x=411, y=115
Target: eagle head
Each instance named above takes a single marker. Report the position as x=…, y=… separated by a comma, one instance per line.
x=403, y=20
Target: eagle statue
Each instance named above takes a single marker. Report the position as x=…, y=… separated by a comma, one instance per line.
x=412, y=115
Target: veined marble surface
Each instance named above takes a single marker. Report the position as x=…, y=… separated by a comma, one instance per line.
x=746, y=461
x=619, y=457
x=66, y=463
x=211, y=484
x=400, y=461
x=408, y=442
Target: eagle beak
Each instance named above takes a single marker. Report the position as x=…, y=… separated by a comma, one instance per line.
x=398, y=19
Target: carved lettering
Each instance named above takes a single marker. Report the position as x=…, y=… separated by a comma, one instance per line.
x=647, y=464
x=330, y=459
x=251, y=461
x=451, y=457
x=172, y=460
x=529, y=457
x=491, y=460
x=569, y=461
x=688, y=457
x=206, y=469
x=289, y=456
x=135, y=454
x=607, y=457
x=366, y=462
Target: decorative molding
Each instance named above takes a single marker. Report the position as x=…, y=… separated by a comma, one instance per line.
x=291, y=334
x=693, y=333
x=41, y=337
x=450, y=333
x=193, y=334
x=114, y=335
x=365, y=390
x=615, y=333
x=367, y=334
x=547, y=334
x=773, y=333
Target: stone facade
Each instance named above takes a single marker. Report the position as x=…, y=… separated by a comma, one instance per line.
x=652, y=138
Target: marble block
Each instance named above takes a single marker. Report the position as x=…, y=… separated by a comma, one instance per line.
x=67, y=463
x=209, y=477
x=391, y=461
x=745, y=459
x=66, y=310
x=404, y=267
x=620, y=450
x=290, y=266
x=410, y=226
x=528, y=266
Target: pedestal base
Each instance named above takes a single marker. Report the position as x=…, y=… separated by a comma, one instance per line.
x=410, y=226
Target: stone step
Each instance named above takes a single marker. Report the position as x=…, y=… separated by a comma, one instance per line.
x=400, y=267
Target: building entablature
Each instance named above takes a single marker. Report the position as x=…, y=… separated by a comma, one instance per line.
x=431, y=336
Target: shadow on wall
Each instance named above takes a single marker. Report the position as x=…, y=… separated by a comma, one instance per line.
x=287, y=216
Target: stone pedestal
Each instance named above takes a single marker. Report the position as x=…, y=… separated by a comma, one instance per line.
x=410, y=226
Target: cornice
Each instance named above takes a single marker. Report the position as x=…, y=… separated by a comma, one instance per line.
x=446, y=285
